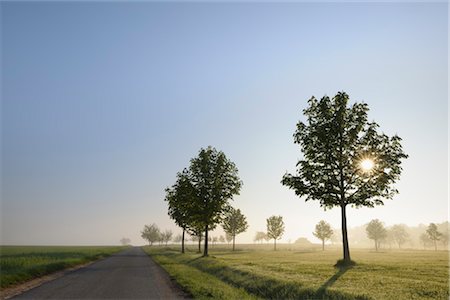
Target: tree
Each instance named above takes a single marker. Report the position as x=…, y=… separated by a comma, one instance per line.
x=151, y=233
x=177, y=239
x=228, y=237
x=376, y=231
x=399, y=234
x=425, y=240
x=125, y=241
x=259, y=236
x=275, y=229
x=180, y=199
x=215, y=180
x=166, y=236
x=346, y=161
x=323, y=232
x=234, y=223
x=434, y=234
x=221, y=239
x=215, y=240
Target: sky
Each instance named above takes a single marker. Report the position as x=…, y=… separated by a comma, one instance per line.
x=104, y=102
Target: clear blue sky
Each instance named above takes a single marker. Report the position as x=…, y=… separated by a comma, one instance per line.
x=102, y=103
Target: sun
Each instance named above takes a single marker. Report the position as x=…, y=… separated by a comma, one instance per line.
x=367, y=164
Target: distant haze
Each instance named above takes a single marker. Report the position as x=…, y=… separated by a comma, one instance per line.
x=102, y=103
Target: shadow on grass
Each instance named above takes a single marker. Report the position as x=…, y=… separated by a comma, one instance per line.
x=332, y=280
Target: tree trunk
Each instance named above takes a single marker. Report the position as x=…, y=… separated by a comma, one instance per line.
x=233, y=241
x=344, y=235
x=182, y=242
x=323, y=245
x=376, y=245
x=205, y=251
x=199, y=244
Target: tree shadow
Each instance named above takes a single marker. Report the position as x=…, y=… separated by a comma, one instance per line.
x=323, y=288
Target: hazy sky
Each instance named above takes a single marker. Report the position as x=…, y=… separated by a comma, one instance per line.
x=102, y=103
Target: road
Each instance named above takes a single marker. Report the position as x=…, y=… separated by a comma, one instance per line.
x=130, y=274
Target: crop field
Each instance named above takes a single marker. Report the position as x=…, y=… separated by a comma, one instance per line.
x=307, y=274
x=21, y=263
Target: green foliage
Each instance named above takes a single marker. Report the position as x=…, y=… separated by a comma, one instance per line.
x=151, y=233
x=21, y=263
x=234, y=223
x=376, y=231
x=311, y=275
x=335, y=140
x=323, y=231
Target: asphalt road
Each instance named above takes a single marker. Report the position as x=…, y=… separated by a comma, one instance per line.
x=130, y=274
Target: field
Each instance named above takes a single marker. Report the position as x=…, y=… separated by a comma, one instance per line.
x=307, y=274
x=21, y=263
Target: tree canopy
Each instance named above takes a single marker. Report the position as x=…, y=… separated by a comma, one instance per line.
x=151, y=233
x=433, y=234
x=346, y=160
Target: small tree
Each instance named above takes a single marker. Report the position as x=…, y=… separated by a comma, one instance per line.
x=275, y=229
x=234, y=223
x=346, y=161
x=376, y=231
x=215, y=240
x=228, y=237
x=433, y=234
x=166, y=236
x=125, y=241
x=323, y=232
x=177, y=239
x=399, y=234
x=259, y=236
x=425, y=240
x=151, y=233
x=221, y=239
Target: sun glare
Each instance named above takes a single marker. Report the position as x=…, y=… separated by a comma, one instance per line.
x=367, y=164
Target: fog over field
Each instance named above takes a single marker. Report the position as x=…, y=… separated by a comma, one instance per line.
x=103, y=103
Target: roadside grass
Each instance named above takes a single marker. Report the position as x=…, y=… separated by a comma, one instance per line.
x=22, y=263
x=310, y=274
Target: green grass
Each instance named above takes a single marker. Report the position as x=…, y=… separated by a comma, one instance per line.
x=310, y=274
x=21, y=263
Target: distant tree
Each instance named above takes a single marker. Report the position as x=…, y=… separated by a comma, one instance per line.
x=323, y=232
x=433, y=234
x=346, y=161
x=275, y=229
x=215, y=180
x=151, y=233
x=221, y=239
x=336, y=238
x=177, y=239
x=125, y=241
x=228, y=238
x=425, y=240
x=234, y=223
x=259, y=236
x=215, y=240
x=302, y=241
x=376, y=231
x=166, y=236
x=197, y=236
x=399, y=234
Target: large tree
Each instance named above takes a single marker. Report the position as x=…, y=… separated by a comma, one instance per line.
x=323, y=232
x=376, y=231
x=234, y=223
x=215, y=180
x=346, y=160
x=434, y=234
x=275, y=229
x=151, y=233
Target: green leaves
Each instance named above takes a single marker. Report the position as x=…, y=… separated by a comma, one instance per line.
x=234, y=222
x=334, y=140
x=275, y=227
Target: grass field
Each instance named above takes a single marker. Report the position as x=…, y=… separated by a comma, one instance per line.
x=307, y=274
x=21, y=263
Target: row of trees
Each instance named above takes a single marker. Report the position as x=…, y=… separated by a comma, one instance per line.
x=377, y=232
x=152, y=234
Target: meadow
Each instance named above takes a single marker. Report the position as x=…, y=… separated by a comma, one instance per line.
x=21, y=263
x=254, y=272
